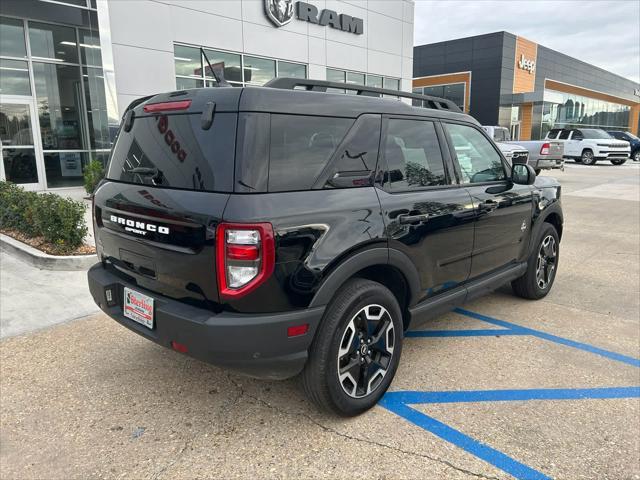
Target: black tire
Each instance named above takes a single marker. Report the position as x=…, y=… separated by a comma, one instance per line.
x=528, y=285
x=587, y=157
x=618, y=161
x=635, y=156
x=320, y=377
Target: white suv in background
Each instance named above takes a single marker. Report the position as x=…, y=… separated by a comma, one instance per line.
x=588, y=145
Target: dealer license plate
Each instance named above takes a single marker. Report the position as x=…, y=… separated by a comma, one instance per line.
x=138, y=307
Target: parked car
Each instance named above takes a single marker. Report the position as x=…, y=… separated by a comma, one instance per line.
x=541, y=154
x=588, y=145
x=282, y=230
x=634, y=142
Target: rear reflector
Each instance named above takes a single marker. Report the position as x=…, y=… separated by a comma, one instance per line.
x=297, y=330
x=167, y=106
x=179, y=347
x=243, y=252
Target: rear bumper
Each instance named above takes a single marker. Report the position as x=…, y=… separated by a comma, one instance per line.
x=256, y=344
x=547, y=163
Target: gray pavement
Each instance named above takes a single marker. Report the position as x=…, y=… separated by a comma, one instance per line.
x=31, y=298
x=89, y=399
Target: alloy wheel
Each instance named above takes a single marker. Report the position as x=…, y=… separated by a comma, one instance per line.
x=366, y=350
x=636, y=156
x=546, y=265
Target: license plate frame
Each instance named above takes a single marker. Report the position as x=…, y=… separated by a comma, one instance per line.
x=138, y=307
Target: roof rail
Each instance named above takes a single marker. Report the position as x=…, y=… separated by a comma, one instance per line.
x=286, y=83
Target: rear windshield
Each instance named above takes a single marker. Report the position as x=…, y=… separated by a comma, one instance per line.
x=173, y=151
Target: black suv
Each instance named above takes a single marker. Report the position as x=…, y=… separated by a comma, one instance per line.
x=281, y=230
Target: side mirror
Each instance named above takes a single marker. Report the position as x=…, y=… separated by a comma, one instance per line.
x=522, y=174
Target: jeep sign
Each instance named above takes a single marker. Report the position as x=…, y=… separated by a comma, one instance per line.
x=280, y=12
x=526, y=64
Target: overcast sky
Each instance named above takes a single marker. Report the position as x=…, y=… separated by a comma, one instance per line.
x=603, y=33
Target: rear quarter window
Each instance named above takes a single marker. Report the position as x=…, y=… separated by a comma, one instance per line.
x=300, y=147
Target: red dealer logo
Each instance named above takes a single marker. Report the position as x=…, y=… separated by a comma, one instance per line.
x=170, y=138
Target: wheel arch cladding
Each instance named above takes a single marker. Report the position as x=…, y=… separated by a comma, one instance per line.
x=556, y=220
x=388, y=267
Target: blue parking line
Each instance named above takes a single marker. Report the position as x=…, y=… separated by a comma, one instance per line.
x=398, y=403
x=552, y=338
x=466, y=396
x=465, y=442
x=463, y=333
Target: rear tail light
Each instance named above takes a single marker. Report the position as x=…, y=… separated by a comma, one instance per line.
x=245, y=257
x=544, y=150
x=167, y=106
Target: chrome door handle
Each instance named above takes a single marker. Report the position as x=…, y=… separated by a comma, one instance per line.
x=413, y=219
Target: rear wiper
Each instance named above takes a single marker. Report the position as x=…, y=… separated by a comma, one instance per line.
x=145, y=171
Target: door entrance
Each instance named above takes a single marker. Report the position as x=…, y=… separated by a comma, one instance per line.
x=515, y=131
x=22, y=159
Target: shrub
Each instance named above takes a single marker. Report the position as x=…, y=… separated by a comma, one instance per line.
x=93, y=173
x=60, y=221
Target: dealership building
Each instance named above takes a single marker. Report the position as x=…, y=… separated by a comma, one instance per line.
x=69, y=68
x=502, y=79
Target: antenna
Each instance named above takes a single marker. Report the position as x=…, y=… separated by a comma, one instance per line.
x=217, y=71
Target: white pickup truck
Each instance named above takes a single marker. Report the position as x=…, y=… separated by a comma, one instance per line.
x=541, y=154
x=588, y=145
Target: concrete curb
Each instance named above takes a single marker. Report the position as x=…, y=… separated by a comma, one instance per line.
x=42, y=260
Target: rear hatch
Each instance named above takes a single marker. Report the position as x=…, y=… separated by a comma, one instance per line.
x=168, y=181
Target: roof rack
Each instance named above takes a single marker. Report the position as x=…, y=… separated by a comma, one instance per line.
x=286, y=83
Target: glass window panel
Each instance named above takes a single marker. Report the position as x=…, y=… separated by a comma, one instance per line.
x=12, y=38
x=14, y=77
x=64, y=169
x=355, y=162
x=59, y=101
x=213, y=83
x=90, y=48
x=15, y=125
x=187, y=83
x=392, y=83
x=300, y=148
x=53, y=42
x=259, y=70
x=230, y=62
x=455, y=93
x=292, y=70
x=187, y=61
x=413, y=157
x=436, y=91
x=102, y=157
x=356, y=78
x=20, y=165
x=374, y=81
x=96, y=104
x=479, y=162
x=335, y=75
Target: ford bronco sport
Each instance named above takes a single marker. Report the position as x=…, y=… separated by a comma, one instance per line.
x=285, y=230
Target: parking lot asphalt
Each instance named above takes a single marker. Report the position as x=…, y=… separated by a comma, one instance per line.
x=554, y=392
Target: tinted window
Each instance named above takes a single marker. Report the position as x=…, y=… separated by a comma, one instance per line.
x=577, y=135
x=564, y=134
x=355, y=162
x=300, y=149
x=553, y=133
x=595, y=133
x=174, y=151
x=479, y=162
x=413, y=156
x=12, y=38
